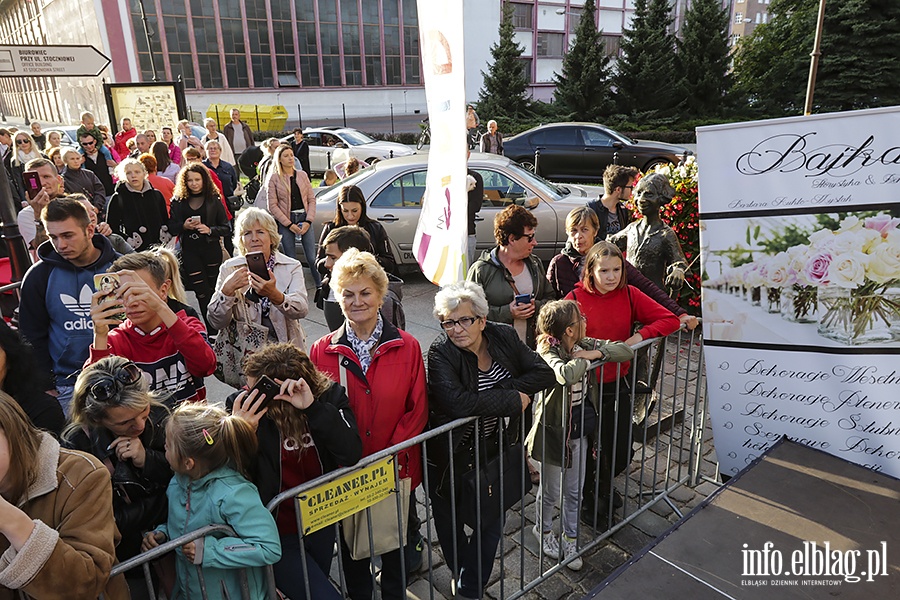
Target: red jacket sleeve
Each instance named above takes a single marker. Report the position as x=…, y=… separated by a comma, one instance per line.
x=657, y=321
x=187, y=333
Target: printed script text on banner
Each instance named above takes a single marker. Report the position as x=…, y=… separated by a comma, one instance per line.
x=440, y=242
x=800, y=247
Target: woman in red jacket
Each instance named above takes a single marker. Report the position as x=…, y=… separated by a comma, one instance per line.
x=611, y=307
x=382, y=369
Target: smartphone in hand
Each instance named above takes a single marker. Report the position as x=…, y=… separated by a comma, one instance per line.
x=523, y=298
x=265, y=385
x=257, y=264
x=109, y=283
x=33, y=185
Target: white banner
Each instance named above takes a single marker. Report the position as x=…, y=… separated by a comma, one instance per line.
x=440, y=242
x=800, y=254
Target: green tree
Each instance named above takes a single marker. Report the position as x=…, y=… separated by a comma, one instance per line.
x=858, y=67
x=646, y=72
x=703, y=59
x=504, y=95
x=583, y=87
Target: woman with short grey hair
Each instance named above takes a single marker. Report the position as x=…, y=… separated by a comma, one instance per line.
x=475, y=368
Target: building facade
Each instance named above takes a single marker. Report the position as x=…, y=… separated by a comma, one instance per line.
x=745, y=16
x=312, y=56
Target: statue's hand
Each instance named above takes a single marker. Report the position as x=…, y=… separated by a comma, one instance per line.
x=675, y=278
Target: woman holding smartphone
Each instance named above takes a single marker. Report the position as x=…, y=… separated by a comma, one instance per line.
x=279, y=297
x=305, y=428
x=198, y=217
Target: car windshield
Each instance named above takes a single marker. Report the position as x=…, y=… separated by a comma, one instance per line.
x=553, y=192
x=355, y=138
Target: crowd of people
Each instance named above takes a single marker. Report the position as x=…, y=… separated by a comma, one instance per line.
x=102, y=386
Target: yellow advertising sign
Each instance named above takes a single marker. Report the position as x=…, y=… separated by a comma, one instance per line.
x=330, y=502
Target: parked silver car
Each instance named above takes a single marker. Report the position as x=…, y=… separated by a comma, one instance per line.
x=330, y=145
x=394, y=190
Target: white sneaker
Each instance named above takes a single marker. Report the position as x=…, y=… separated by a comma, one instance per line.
x=570, y=548
x=548, y=542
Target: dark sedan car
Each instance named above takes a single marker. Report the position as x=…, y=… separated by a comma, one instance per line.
x=581, y=151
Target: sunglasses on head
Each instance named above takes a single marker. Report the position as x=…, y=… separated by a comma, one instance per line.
x=110, y=386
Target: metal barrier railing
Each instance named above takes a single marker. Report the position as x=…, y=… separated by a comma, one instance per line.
x=670, y=438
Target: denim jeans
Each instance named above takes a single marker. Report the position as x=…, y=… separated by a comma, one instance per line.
x=556, y=482
x=308, y=241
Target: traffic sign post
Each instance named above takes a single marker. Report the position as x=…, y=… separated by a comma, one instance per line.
x=51, y=61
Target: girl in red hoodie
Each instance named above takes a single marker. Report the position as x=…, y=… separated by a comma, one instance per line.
x=611, y=307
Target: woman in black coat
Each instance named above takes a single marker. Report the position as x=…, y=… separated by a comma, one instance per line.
x=136, y=211
x=476, y=368
x=304, y=432
x=117, y=419
x=198, y=216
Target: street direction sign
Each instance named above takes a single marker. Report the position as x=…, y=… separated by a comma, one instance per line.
x=51, y=61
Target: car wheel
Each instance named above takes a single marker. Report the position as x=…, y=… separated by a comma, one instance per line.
x=654, y=163
x=528, y=165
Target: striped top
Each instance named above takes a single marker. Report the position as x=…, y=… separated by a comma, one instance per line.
x=487, y=380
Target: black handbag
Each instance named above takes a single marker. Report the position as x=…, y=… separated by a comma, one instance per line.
x=515, y=484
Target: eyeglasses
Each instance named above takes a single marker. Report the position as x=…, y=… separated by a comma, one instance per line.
x=111, y=385
x=21, y=142
x=628, y=187
x=88, y=143
x=464, y=322
x=581, y=319
x=529, y=236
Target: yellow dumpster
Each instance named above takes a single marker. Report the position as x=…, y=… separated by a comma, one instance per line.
x=260, y=117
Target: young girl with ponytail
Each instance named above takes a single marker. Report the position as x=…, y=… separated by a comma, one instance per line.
x=210, y=452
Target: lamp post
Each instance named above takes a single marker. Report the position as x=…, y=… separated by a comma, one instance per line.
x=148, y=33
x=814, y=60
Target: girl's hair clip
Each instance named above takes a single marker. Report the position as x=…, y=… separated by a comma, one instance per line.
x=207, y=437
x=552, y=341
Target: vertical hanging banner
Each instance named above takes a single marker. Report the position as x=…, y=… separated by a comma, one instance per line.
x=440, y=242
x=800, y=249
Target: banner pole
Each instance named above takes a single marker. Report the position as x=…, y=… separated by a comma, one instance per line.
x=814, y=60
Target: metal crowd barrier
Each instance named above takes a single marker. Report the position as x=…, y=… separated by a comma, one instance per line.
x=668, y=456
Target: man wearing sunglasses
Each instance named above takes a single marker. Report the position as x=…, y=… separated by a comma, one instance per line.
x=98, y=160
x=55, y=305
x=618, y=183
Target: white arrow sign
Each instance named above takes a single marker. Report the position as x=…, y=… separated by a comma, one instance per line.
x=51, y=61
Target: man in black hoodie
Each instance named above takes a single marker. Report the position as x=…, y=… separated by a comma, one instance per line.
x=618, y=182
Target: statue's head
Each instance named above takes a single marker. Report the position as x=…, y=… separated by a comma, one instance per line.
x=652, y=192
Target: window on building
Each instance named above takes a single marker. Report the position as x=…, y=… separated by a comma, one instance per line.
x=734, y=38
x=328, y=46
x=307, y=43
x=523, y=15
x=574, y=18
x=526, y=68
x=765, y=17
x=350, y=34
x=550, y=44
x=612, y=43
x=231, y=21
x=411, y=43
x=738, y=18
x=283, y=34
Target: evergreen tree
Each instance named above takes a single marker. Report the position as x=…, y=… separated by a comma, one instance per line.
x=583, y=87
x=646, y=72
x=858, y=67
x=703, y=59
x=503, y=95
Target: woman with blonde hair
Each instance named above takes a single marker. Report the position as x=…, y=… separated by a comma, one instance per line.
x=116, y=418
x=24, y=149
x=157, y=333
x=382, y=369
x=57, y=532
x=291, y=201
x=278, y=302
x=136, y=211
x=305, y=431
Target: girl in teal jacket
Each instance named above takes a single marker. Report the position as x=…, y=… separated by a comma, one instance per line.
x=209, y=450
